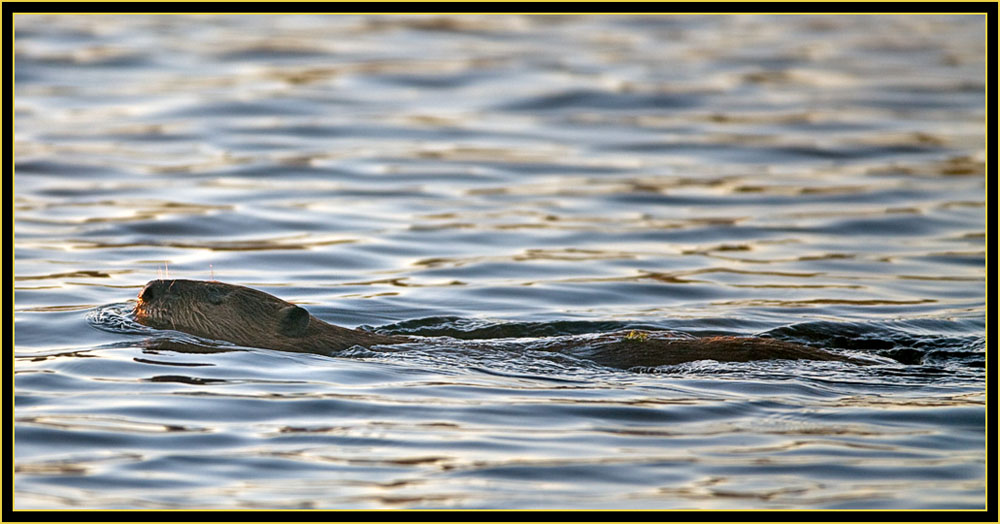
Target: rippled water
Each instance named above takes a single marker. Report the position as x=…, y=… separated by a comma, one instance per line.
x=818, y=179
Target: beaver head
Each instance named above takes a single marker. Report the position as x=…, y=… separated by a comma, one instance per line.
x=220, y=311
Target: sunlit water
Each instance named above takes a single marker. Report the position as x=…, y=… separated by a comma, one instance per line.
x=814, y=179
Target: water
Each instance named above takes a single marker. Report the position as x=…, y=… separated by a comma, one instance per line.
x=819, y=179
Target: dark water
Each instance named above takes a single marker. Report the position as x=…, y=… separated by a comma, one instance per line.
x=815, y=179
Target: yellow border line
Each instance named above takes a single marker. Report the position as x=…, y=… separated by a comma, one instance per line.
x=986, y=128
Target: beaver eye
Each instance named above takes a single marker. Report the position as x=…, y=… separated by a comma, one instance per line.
x=292, y=321
x=148, y=293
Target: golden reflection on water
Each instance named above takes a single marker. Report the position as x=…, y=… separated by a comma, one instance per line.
x=105, y=423
x=73, y=274
x=136, y=209
x=294, y=242
x=820, y=301
x=885, y=402
x=54, y=309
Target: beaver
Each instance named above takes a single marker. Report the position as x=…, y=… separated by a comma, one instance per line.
x=245, y=317
x=248, y=317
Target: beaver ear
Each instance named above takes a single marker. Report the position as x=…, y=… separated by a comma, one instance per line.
x=217, y=295
x=293, y=321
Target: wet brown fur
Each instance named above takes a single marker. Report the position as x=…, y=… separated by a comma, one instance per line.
x=252, y=318
x=244, y=316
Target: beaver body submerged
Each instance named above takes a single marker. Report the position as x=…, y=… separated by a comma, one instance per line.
x=248, y=317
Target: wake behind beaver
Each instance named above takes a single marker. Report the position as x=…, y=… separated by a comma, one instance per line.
x=249, y=317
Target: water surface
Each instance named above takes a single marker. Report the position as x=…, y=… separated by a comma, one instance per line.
x=818, y=179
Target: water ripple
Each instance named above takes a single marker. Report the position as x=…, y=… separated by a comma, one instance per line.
x=489, y=185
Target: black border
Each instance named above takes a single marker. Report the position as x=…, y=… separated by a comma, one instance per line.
x=502, y=515
x=9, y=514
x=568, y=7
